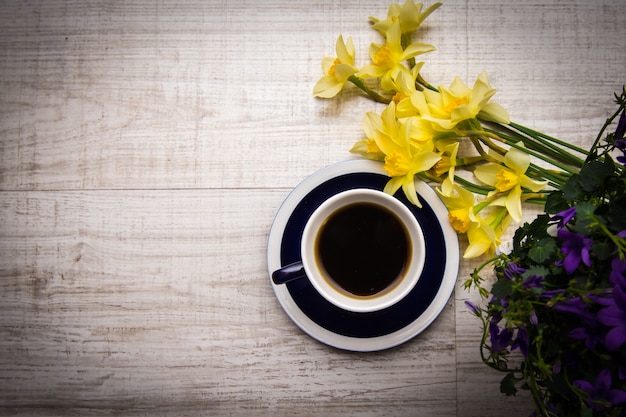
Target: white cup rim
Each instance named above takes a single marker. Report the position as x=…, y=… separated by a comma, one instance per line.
x=386, y=298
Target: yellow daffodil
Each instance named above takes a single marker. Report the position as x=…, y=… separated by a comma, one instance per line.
x=409, y=15
x=402, y=159
x=387, y=59
x=460, y=204
x=482, y=233
x=403, y=83
x=482, y=239
x=367, y=148
x=509, y=178
x=422, y=134
x=447, y=164
x=336, y=70
x=450, y=106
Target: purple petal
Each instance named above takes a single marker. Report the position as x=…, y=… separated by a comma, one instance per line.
x=564, y=216
x=616, y=276
x=571, y=262
x=586, y=257
x=473, y=307
x=583, y=385
x=603, y=381
x=615, y=338
x=616, y=396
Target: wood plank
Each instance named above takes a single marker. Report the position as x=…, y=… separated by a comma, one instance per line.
x=134, y=95
x=160, y=300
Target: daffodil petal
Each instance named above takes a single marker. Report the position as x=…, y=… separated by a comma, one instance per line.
x=481, y=238
x=423, y=161
x=345, y=51
x=416, y=48
x=487, y=173
x=327, y=63
x=362, y=148
x=517, y=160
x=371, y=71
x=344, y=71
x=408, y=186
x=514, y=203
x=327, y=87
x=532, y=185
x=393, y=185
x=494, y=112
x=371, y=124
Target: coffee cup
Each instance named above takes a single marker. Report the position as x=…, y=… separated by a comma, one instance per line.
x=362, y=250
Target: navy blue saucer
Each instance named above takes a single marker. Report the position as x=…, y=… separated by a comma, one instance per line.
x=372, y=324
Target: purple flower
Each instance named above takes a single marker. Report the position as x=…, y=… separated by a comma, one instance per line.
x=613, y=315
x=512, y=270
x=533, y=318
x=521, y=341
x=473, y=308
x=591, y=335
x=618, y=267
x=576, y=248
x=564, y=217
x=499, y=339
x=552, y=293
x=576, y=306
x=534, y=281
x=591, y=331
x=600, y=391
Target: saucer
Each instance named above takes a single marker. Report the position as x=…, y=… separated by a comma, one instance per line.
x=376, y=330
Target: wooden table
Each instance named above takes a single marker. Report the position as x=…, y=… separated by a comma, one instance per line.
x=145, y=148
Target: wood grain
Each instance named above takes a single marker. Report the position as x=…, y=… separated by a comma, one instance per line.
x=145, y=148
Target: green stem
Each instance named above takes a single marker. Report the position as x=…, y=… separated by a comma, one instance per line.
x=538, y=144
x=606, y=124
x=371, y=93
x=544, y=158
x=534, y=133
x=470, y=186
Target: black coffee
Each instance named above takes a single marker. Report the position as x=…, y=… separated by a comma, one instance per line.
x=364, y=248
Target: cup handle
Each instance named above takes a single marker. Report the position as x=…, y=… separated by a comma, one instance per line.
x=288, y=273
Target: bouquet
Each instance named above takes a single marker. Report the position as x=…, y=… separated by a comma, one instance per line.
x=555, y=319
x=559, y=301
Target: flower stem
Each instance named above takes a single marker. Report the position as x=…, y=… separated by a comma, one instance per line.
x=371, y=93
x=535, y=134
x=538, y=144
x=470, y=186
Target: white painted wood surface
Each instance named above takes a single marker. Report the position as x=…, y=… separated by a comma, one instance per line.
x=145, y=147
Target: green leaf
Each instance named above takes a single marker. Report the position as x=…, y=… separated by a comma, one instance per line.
x=502, y=288
x=543, y=251
x=555, y=203
x=595, y=173
x=615, y=215
x=507, y=385
x=538, y=270
x=586, y=412
x=603, y=250
x=585, y=216
x=572, y=191
x=538, y=229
